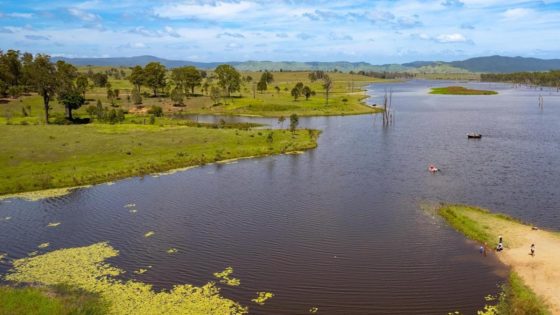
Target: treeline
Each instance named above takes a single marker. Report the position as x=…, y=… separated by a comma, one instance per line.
x=23, y=73
x=550, y=78
x=385, y=75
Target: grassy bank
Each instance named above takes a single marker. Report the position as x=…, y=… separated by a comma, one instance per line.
x=460, y=90
x=53, y=300
x=37, y=157
x=533, y=286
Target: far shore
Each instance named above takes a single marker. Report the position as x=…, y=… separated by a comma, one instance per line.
x=539, y=272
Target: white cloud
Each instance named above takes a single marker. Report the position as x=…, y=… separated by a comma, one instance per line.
x=517, y=13
x=83, y=15
x=451, y=38
x=215, y=10
x=19, y=15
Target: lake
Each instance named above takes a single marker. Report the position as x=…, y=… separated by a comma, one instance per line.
x=339, y=227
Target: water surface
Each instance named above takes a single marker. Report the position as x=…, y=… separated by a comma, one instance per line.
x=338, y=227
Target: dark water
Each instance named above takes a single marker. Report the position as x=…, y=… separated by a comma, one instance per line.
x=338, y=227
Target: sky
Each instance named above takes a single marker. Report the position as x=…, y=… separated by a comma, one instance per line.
x=378, y=32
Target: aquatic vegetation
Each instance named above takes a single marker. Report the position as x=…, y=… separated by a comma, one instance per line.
x=42, y=194
x=53, y=224
x=130, y=205
x=172, y=250
x=262, y=297
x=313, y=310
x=132, y=210
x=33, y=253
x=86, y=269
x=149, y=234
x=44, y=245
x=2, y=256
x=225, y=278
x=140, y=271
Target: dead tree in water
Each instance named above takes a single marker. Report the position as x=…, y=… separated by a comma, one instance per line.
x=387, y=111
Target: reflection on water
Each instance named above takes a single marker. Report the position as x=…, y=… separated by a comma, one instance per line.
x=338, y=227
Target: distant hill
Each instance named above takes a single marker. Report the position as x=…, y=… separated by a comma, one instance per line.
x=506, y=64
x=480, y=64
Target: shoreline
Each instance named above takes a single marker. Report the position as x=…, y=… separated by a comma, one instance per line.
x=37, y=195
x=539, y=273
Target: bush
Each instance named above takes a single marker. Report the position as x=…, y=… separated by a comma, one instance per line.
x=155, y=111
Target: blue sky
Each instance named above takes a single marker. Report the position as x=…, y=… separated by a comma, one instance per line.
x=373, y=31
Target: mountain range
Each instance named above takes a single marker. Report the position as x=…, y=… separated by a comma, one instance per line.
x=499, y=64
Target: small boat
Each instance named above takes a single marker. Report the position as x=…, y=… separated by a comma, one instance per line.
x=474, y=135
x=433, y=169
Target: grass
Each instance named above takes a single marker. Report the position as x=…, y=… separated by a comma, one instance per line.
x=52, y=300
x=483, y=226
x=464, y=219
x=44, y=157
x=460, y=90
x=518, y=299
x=345, y=98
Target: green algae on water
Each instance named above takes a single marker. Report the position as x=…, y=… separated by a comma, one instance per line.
x=172, y=250
x=140, y=271
x=225, y=278
x=86, y=269
x=262, y=297
x=313, y=310
x=149, y=234
x=44, y=245
x=53, y=224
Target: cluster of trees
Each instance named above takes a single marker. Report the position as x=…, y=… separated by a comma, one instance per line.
x=22, y=73
x=301, y=90
x=105, y=114
x=386, y=75
x=326, y=80
x=550, y=78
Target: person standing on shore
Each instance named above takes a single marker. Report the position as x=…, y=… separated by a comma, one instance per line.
x=533, y=250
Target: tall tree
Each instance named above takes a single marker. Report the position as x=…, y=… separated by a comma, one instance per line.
x=71, y=99
x=137, y=77
x=228, y=78
x=186, y=78
x=154, y=75
x=327, y=82
x=306, y=91
x=294, y=122
x=267, y=77
x=82, y=84
x=261, y=86
x=42, y=76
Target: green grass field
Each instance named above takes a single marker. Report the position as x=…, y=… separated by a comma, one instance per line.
x=42, y=157
x=345, y=99
x=55, y=300
x=460, y=90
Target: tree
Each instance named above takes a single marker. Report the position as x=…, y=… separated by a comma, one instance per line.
x=82, y=84
x=71, y=99
x=137, y=77
x=306, y=91
x=42, y=76
x=294, y=122
x=327, y=82
x=228, y=78
x=177, y=96
x=186, y=78
x=261, y=86
x=295, y=93
x=154, y=76
x=100, y=79
x=267, y=77
x=215, y=95
x=277, y=88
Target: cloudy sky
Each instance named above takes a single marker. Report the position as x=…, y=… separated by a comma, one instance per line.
x=386, y=31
